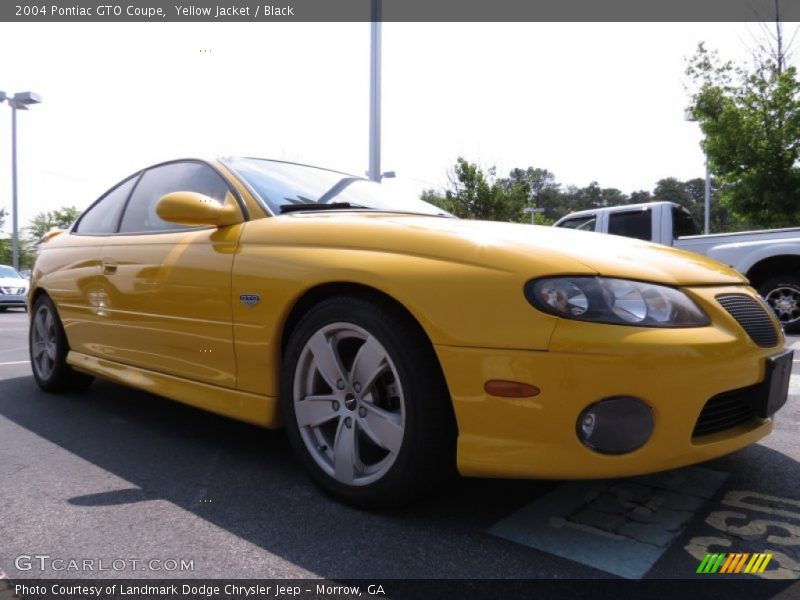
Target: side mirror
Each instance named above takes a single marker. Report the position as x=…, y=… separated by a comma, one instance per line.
x=191, y=208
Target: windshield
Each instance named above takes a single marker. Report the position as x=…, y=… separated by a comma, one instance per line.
x=9, y=272
x=281, y=184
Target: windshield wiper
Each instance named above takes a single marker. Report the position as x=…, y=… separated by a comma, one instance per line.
x=287, y=208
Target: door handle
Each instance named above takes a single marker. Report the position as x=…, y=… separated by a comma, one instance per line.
x=109, y=266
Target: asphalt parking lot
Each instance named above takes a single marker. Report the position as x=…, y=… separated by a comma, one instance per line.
x=116, y=474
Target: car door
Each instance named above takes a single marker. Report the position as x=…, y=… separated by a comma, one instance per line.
x=166, y=288
x=72, y=269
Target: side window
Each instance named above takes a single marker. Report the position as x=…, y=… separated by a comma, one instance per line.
x=586, y=223
x=140, y=215
x=682, y=223
x=635, y=224
x=102, y=217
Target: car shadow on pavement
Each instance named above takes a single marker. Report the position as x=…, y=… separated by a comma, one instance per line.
x=244, y=479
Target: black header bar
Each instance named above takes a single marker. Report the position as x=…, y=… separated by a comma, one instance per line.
x=158, y=11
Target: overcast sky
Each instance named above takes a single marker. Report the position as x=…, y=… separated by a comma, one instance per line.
x=590, y=102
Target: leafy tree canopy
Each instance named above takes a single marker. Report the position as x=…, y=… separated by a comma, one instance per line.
x=45, y=221
x=750, y=116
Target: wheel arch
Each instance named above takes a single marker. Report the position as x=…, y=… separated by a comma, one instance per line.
x=317, y=293
x=38, y=291
x=773, y=266
x=35, y=294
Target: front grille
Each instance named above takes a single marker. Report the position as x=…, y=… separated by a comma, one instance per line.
x=12, y=291
x=753, y=318
x=726, y=410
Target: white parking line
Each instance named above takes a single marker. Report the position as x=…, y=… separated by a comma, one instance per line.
x=620, y=526
x=18, y=348
x=794, y=385
x=15, y=362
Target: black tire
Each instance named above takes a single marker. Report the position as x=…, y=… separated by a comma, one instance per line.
x=60, y=377
x=788, y=286
x=426, y=455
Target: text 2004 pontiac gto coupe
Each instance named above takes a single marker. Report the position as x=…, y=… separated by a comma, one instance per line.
x=395, y=342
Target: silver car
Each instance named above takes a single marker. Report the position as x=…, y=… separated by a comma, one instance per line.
x=13, y=288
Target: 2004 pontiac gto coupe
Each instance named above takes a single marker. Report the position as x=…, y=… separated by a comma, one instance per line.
x=395, y=342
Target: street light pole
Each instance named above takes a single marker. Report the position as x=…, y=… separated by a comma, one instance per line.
x=374, y=172
x=688, y=116
x=14, y=218
x=19, y=101
x=707, y=195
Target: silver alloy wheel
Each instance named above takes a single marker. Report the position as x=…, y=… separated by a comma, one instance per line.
x=349, y=404
x=43, y=342
x=785, y=302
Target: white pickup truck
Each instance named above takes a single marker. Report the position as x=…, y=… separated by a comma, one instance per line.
x=770, y=259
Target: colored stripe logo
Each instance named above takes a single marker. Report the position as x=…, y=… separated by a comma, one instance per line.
x=740, y=562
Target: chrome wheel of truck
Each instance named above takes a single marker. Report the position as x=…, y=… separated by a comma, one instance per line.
x=783, y=296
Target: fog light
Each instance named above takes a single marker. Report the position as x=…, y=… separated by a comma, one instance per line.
x=615, y=425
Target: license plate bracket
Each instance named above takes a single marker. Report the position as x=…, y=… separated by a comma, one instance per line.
x=775, y=388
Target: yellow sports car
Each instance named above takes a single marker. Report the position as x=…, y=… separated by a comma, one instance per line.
x=396, y=342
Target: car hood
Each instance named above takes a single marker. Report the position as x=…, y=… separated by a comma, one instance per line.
x=13, y=282
x=529, y=250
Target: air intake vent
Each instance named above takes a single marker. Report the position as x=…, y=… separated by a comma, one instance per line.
x=753, y=318
x=726, y=410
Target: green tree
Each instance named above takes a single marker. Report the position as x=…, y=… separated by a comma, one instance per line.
x=55, y=219
x=613, y=197
x=475, y=194
x=26, y=256
x=671, y=189
x=751, y=120
x=543, y=191
x=640, y=197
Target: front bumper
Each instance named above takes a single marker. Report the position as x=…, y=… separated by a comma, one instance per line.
x=18, y=300
x=674, y=371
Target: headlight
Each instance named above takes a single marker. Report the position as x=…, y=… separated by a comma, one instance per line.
x=614, y=301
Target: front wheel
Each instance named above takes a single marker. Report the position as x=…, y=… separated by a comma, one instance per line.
x=367, y=411
x=48, y=350
x=782, y=293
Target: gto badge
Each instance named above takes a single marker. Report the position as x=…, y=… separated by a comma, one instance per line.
x=250, y=300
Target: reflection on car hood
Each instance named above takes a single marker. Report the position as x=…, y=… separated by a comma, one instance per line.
x=13, y=282
x=527, y=249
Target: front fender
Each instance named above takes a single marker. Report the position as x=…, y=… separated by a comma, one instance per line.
x=456, y=304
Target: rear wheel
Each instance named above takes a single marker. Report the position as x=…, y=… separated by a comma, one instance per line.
x=48, y=351
x=782, y=293
x=366, y=407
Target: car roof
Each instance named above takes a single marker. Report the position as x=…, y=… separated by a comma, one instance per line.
x=223, y=160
